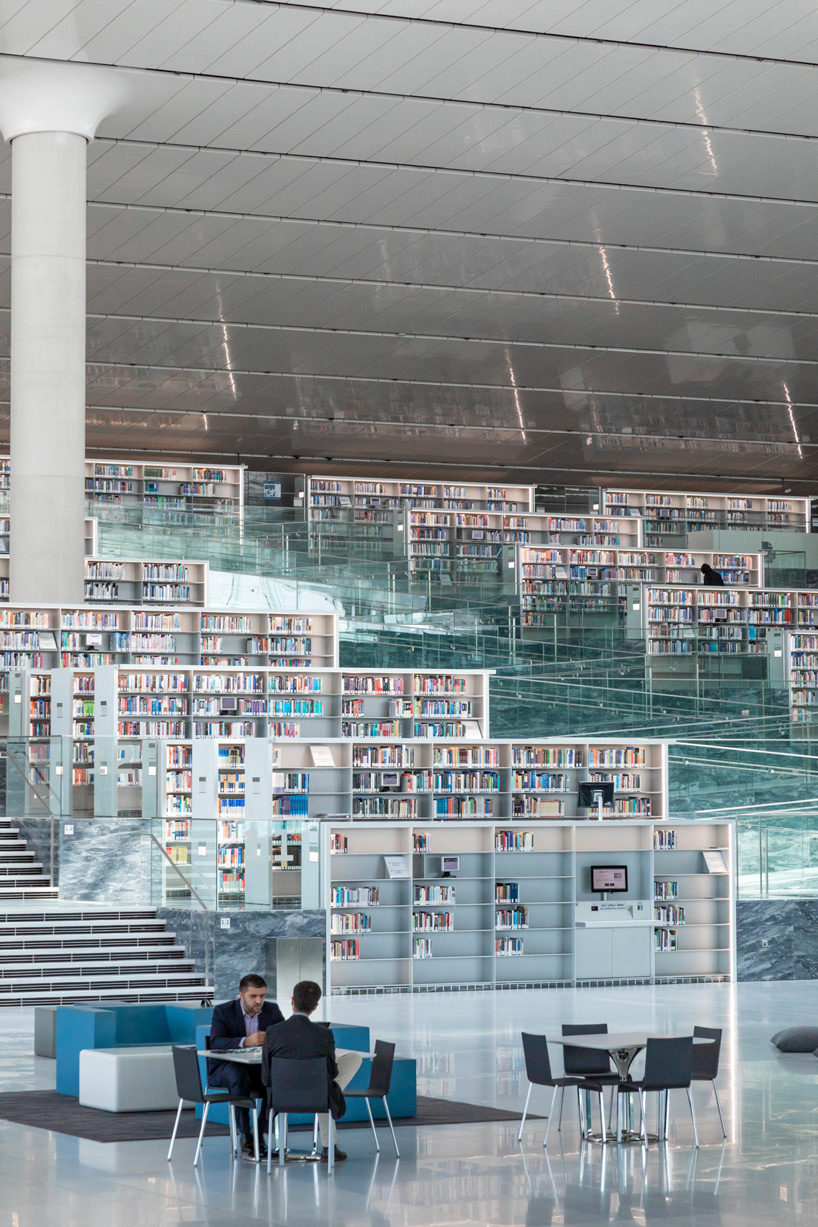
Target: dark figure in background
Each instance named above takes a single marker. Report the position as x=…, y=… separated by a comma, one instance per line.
x=242, y=1024
x=711, y=578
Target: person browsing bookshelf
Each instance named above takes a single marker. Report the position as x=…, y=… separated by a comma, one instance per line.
x=710, y=577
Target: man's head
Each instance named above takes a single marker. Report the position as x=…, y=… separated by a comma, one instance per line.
x=252, y=990
x=306, y=996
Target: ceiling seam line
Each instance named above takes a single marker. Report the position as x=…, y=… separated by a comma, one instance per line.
x=491, y=175
x=379, y=227
x=392, y=381
x=511, y=428
x=445, y=287
x=595, y=40
x=314, y=330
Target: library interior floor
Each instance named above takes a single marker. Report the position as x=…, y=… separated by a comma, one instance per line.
x=468, y=1049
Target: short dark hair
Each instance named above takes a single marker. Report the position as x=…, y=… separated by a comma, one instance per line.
x=306, y=996
x=251, y=981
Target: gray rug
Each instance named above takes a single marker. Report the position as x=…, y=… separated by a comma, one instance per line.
x=64, y=1114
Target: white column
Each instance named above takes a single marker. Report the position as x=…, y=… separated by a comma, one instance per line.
x=47, y=504
x=49, y=112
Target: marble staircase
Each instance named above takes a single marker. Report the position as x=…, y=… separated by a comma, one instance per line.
x=55, y=952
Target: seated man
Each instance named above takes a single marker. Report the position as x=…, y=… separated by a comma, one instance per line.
x=301, y=1039
x=242, y=1024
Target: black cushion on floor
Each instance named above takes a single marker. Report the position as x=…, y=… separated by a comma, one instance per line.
x=796, y=1039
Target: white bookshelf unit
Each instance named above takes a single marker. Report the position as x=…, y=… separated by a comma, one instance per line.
x=555, y=579
x=687, y=630
x=669, y=515
x=216, y=491
x=488, y=904
x=260, y=783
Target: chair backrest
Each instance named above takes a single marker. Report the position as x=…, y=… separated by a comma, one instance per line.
x=299, y=1086
x=537, y=1063
x=580, y=1062
x=668, y=1063
x=186, y=1069
x=706, y=1056
x=380, y=1079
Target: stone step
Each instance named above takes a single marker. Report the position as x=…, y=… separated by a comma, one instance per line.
x=90, y=957
x=28, y=892
x=71, y=996
x=86, y=941
x=110, y=971
x=28, y=866
x=64, y=982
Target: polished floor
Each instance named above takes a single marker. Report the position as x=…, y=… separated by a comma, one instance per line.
x=468, y=1048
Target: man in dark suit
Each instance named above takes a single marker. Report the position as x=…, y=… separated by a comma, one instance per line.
x=242, y=1024
x=300, y=1039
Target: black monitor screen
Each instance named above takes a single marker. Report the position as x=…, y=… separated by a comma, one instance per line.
x=609, y=877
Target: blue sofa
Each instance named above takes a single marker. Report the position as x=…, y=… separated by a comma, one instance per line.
x=118, y=1025
x=402, y=1094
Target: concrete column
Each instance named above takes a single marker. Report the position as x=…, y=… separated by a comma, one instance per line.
x=49, y=112
x=47, y=367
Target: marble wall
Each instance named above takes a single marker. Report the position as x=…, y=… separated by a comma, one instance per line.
x=228, y=954
x=107, y=862
x=790, y=929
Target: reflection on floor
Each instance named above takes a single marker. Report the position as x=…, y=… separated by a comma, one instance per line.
x=468, y=1048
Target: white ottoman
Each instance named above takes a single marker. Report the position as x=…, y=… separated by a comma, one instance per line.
x=138, y=1079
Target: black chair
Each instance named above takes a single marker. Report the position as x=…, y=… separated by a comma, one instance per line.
x=297, y=1086
x=189, y=1088
x=668, y=1067
x=538, y=1072
x=706, y=1062
x=592, y=1063
x=380, y=1080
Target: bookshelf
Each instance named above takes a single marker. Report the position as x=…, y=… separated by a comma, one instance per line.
x=559, y=578
x=216, y=491
x=470, y=546
x=50, y=635
x=668, y=515
x=691, y=631
x=516, y=905
x=265, y=784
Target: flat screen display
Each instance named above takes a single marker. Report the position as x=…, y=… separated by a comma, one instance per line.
x=609, y=877
x=451, y=864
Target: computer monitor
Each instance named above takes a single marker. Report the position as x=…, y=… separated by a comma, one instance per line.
x=449, y=865
x=609, y=879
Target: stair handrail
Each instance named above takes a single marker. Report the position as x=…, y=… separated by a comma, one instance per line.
x=44, y=800
x=196, y=895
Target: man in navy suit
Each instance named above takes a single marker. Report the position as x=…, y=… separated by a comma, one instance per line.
x=241, y=1024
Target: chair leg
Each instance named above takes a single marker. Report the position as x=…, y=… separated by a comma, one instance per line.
x=550, y=1116
x=315, y=1133
x=392, y=1127
x=231, y=1120
x=372, y=1123
x=201, y=1134
x=693, y=1118
x=176, y=1127
x=270, y=1127
x=718, y=1105
x=525, y=1112
x=562, y=1101
x=614, y=1095
x=255, y=1132
x=644, y=1118
x=667, y=1115
x=282, y=1138
x=331, y=1146
x=602, y=1126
